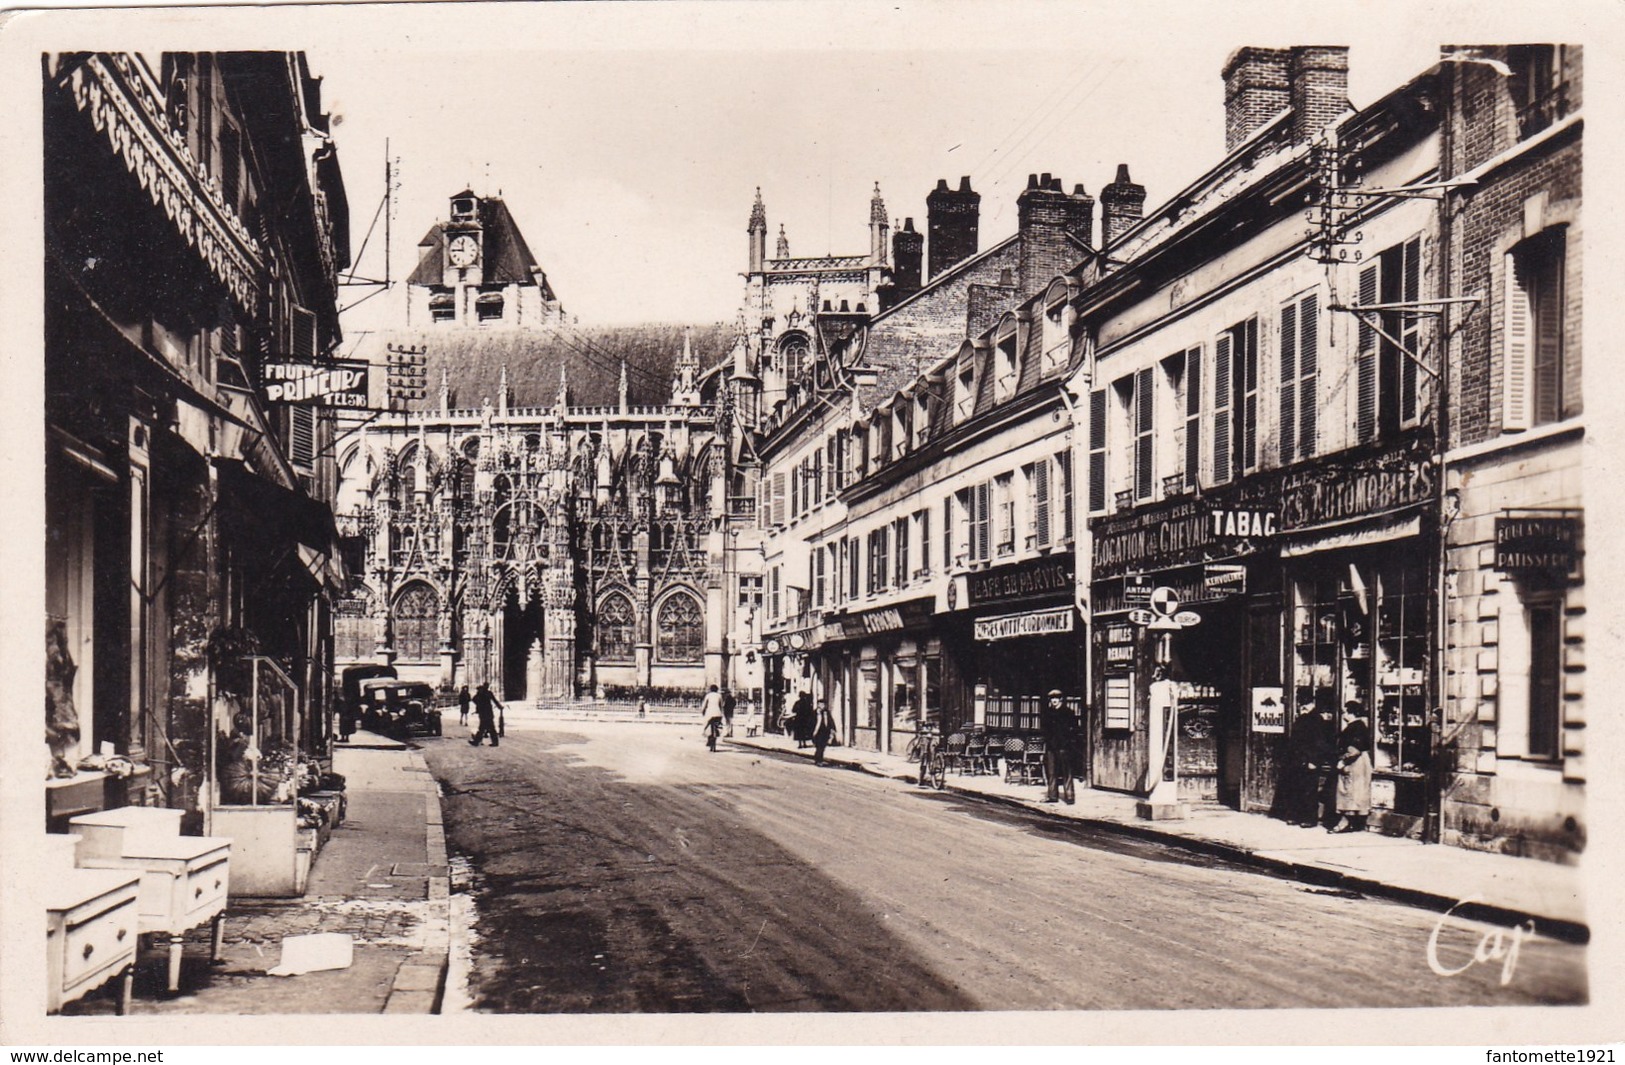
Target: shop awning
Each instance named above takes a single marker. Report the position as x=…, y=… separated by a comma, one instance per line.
x=1355, y=534
x=263, y=514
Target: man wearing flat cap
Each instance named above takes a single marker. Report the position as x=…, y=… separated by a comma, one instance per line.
x=1055, y=723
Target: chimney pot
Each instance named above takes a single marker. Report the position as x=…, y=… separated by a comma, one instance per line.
x=942, y=184
x=1319, y=78
x=964, y=183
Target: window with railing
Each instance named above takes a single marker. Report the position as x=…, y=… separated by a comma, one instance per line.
x=1539, y=90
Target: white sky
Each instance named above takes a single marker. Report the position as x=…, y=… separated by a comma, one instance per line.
x=628, y=140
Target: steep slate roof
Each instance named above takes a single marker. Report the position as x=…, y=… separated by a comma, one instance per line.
x=590, y=356
x=507, y=258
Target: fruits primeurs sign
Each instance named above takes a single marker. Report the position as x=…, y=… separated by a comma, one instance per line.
x=337, y=384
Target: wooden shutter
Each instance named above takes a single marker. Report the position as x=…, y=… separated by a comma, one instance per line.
x=778, y=497
x=1409, y=328
x=947, y=531
x=1144, y=440
x=1040, y=476
x=302, y=335
x=1546, y=306
x=1366, y=362
x=900, y=538
x=1308, y=374
x=1097, y=451
x=1289, y=382
x=1193, y=417
x=1063, y=465
x=982, y=548
x=1247, y=337
x=1222, y=356
x=925, y=540
x=302, y=436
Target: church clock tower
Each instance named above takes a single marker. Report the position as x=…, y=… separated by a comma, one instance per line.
x=464, y=243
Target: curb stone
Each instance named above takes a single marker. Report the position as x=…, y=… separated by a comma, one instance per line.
x=1307, y=872
x=419, y=983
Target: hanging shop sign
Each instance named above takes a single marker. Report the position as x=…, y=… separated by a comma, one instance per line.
x=339, y=384
x=1031, y=623
x=1225, y=578
x=1269, y=710
x=1240, y=518
x=1038, y=578
x=1137, y=589
x=1526, y=543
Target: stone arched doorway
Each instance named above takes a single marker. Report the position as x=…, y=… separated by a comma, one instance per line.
x=521, y=635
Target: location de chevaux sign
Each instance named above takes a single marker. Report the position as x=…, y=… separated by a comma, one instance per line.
x=337, y=384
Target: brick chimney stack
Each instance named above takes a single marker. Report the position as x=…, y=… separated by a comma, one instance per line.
x=952, y=220
x=1122, y=204
x=1082, y=225
x=907, y=253
x=1256, y=89
x=1319, y=78
x=1048, y=219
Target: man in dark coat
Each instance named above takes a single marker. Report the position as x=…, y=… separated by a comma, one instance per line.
x=728, y=704
x=805, y=721
x=485, y=707
x=1309, y=765
x=463, y=699
x=1055, y=723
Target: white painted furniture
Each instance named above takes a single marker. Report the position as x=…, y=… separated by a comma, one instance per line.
x=184, y=879
x=92, y=922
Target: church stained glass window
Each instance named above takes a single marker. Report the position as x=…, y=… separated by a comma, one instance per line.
x=679, y=629
x=417, y=615
x=615, y=629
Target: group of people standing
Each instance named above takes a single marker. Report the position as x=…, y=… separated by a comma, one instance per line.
x=1328, y=768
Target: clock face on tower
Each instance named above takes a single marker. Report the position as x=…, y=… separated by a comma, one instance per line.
x=463, y=251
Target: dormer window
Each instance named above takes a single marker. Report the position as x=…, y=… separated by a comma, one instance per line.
x=965, y=388
x=1057, y=338
x=1006, y=365
x=442, y=306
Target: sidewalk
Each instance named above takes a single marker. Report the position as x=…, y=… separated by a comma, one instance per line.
x=381, y=878
x=1501, y=889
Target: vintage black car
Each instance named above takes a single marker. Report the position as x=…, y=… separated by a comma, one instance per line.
x=401, y=708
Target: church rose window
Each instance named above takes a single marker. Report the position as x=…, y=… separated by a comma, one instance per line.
x=417, y=613
x=615, y=629
x=679, y=630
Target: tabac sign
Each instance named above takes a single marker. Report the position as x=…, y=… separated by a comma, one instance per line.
x=338, y=384
x=1525, y=543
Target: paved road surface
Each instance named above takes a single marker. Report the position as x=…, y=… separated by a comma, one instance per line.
x=622, y=868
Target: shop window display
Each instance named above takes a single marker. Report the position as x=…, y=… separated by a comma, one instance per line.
x=1360, y=633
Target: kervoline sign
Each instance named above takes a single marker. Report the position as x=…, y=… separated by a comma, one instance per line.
x=339, y=384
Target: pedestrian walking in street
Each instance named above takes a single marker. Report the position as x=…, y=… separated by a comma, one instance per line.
x=805, y=719
x=711, y=714
x=728, y=704
x=463, y=699
x=823, y=731
x=1310, y=760
x=1353, y=770
x=1056, y=724
x=485, y=708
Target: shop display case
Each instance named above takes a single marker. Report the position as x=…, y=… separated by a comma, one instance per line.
x=184, y=879
x=91, y=925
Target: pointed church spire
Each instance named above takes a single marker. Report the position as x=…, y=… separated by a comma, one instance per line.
x=502, y=392
x=758, y=214
x=684, y=388
x=758, y=234
x=563, y=400
x=877, y=228
x=623, y=386
x=783, y=249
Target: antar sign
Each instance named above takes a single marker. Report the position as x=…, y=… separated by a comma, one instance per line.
x=338, y=385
